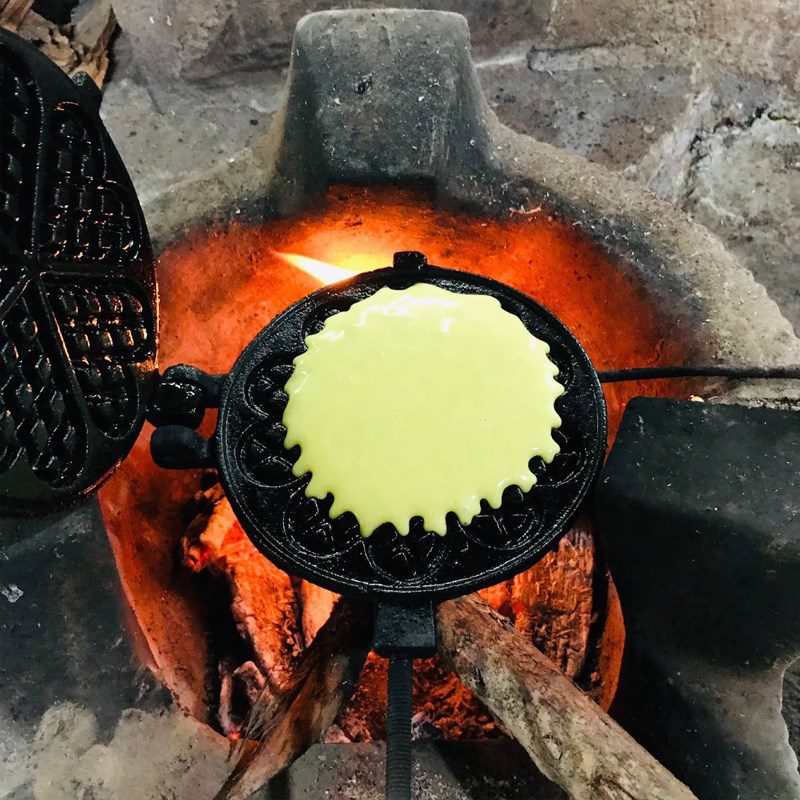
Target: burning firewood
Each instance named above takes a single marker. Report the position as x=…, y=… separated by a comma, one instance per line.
x=267, y=621
x=277, y=617
x=552, y=602
x=572, y=741
x=316, y=605
x=283, y=726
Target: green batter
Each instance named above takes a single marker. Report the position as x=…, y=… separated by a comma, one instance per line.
x=420, y=402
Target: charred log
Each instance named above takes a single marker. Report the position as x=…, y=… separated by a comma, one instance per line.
x=572, y=741
x=284, y=725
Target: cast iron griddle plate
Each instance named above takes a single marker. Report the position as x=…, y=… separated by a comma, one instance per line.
x=295, y=532
x=77, y=289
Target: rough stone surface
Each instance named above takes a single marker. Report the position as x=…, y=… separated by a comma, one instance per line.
x=745, y=186
x=700, y=516
x=80, y=713
x=791, y=705
x=756, y=39
x=168, y=135
x=610, y=114
x=634, y=109
x=149, y=755
x=204, y=39
x=726, y=148
x=442, y=771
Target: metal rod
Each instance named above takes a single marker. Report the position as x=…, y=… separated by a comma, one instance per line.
x=398, y=728
x=705, y=371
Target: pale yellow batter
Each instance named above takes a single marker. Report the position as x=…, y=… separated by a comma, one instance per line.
x=420, y=402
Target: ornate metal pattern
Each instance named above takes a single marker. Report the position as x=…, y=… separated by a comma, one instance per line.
x=77, y=289
x=37, y=420
x=106, y=331
x=296, y=532
x=21, y=122
x=86, y=215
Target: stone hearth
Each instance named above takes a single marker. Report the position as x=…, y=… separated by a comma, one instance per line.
x=658, y=104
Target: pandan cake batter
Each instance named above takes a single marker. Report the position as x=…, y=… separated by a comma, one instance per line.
x=419, y=402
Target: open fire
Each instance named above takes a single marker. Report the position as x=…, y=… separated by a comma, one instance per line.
x=221, y=622
x=324, y=272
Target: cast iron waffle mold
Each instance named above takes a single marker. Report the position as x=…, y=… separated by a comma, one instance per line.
x=295, y=531
x=78, y=319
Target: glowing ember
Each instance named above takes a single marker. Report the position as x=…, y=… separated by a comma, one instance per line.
x=325, y=273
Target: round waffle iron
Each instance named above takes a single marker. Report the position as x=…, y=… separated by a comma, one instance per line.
x=78, y=318
x=295, y=531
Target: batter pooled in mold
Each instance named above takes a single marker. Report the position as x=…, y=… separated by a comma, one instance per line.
x=418, y=402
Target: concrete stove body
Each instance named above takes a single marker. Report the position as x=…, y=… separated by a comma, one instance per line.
x=372, y=96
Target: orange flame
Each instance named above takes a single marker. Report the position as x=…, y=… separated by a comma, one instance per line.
x=325, y=273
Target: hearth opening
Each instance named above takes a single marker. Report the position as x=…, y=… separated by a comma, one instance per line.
x=222, y=623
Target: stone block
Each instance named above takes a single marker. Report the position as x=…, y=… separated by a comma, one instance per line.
x=610, y=114
x=698, y=507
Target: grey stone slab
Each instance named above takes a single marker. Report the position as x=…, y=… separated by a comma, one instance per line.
x=698, y=507
x=442, y=771
x=745, y=186
x=169, y=134
x=612, y=115
x=757, y=39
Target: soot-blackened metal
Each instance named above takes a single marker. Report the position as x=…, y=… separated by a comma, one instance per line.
x=295, y=531
x=77, y=289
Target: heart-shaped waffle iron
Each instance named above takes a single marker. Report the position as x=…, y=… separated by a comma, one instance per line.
x=78, y=319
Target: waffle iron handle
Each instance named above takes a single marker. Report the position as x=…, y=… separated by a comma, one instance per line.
x=402, y=633
x=398, y=728
x=177, y=408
